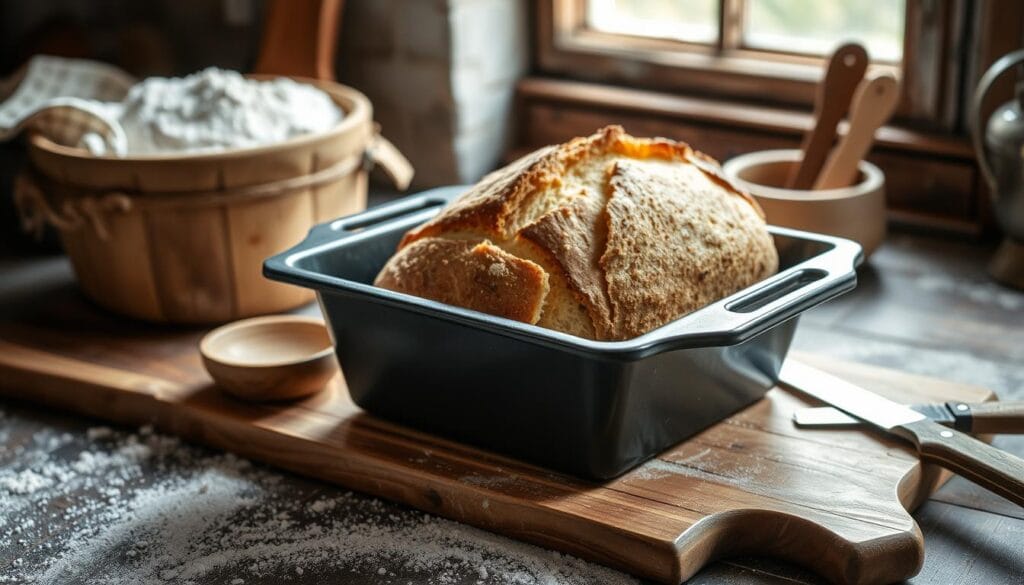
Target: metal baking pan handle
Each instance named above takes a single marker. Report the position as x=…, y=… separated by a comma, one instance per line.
x=410, y=210
x=762, y=306
x=401, y=214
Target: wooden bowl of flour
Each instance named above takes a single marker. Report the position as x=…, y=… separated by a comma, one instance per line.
x=181, y=238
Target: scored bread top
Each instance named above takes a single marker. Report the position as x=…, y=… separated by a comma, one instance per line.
x=604, y=237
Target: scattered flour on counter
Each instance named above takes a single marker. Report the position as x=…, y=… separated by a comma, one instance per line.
x=217, y=109
x=949, y=363
x=983, y=293
x=25, y=482
x=144, y=508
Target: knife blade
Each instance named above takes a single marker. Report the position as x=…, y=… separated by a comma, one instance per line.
x=991, y=468
x=997, y=417
x=829, y=416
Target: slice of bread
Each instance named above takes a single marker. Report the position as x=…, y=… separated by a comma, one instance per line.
x=604, y=237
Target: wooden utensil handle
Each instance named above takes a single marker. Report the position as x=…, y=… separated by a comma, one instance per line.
x=872, y=105
x=845, y=69
x=991, y=417
x=299, y=38
x=991, y=468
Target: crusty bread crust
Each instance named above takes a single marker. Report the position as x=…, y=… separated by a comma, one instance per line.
x=605, y=237
x=474, y=275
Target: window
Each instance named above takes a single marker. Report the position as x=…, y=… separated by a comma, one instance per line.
x=695, y=22
x=807, y=27
x=767, y=51
x=813, y=27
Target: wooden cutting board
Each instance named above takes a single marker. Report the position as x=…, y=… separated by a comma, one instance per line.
x=832, y=500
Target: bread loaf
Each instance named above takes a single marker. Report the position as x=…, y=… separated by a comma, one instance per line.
x=605, y=237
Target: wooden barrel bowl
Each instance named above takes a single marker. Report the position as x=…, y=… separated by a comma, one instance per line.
x=181, y=238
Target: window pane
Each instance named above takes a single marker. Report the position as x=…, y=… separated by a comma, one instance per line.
x=693, y=21
x=817, y=27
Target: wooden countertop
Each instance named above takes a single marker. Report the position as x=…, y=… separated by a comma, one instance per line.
x=923, y=306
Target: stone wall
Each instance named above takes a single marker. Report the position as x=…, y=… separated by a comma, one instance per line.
x=441, y=75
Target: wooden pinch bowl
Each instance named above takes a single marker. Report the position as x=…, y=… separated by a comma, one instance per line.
x=856, y=212
x=280, y=357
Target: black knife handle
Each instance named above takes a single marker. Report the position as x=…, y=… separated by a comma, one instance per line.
x=988, y=417
x=991, y=468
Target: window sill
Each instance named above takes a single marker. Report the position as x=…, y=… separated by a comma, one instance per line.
x=762, y=118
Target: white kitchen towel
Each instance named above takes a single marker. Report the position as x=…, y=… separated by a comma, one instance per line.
x=66, y=100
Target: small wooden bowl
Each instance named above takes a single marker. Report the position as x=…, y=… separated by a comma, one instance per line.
x=279, y=357
x=856, y=212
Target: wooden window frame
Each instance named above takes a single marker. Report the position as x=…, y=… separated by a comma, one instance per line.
x=930, y=71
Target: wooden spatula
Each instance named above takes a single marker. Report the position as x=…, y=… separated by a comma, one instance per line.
x=872, y=106
x=845, y=70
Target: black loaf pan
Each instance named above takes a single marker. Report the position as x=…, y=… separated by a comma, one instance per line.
x=589, y=408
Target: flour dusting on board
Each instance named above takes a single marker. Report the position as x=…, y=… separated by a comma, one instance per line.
x=145, y=508
x=216, y=109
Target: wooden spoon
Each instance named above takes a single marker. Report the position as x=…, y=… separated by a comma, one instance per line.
x=872, y=106
x=845, y=70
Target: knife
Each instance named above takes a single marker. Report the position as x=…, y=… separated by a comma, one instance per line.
x=982, y=417
x=991, y=468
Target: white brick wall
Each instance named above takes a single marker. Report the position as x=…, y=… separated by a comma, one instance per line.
x=441, y=75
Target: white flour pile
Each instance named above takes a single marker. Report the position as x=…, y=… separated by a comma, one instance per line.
x=216, y=109
x=123, y=508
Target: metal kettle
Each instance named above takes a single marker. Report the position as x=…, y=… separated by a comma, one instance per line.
x=1000, y=148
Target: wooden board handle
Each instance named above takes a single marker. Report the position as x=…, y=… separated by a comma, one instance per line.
x=991, y=417
x=845, y=69
x=993, y=469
